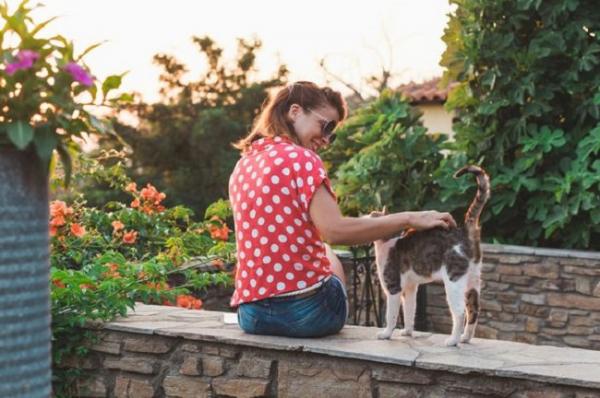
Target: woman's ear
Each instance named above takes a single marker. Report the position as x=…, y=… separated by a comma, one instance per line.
x=294, y=111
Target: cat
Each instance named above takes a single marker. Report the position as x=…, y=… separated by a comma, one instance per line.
x=450, y=255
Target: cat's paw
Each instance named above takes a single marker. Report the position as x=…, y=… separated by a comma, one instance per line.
x=406, y=332
x=384, y=334
x=452, y=341
x=465, y=338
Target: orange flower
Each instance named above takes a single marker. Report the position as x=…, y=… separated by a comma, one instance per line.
x=131, y=187
x=183, y=301
x=217, y=263
x=57, y=208
x=58, y=221
x=58, y=283
x=87, y=286
x=53, y=231
x=219, y=233
x=113, y=271
x=117, y=225
x=130, y=237
x=135, y=203
x=77, y=230
x=149, y=192
x=147, y=209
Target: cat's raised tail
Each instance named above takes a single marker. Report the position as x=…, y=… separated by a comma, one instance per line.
x=481, y=197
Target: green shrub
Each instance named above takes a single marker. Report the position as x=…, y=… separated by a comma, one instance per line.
x=105, y=259
x=528, y=105
x=384, y=156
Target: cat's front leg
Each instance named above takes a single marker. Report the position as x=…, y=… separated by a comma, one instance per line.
x=391, y=316
x=409, y=307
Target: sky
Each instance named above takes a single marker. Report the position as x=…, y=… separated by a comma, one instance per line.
x=356, y=38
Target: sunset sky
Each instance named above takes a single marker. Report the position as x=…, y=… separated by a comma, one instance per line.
x=350, y=34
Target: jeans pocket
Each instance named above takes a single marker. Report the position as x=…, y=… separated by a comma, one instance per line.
x=247, y=319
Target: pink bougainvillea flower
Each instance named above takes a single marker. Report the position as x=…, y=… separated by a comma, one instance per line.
x=79, y=74
x=25, y=60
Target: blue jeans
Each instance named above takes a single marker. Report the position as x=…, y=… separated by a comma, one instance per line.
x=320, y=314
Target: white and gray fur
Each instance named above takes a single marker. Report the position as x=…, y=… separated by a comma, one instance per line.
x=452, y=256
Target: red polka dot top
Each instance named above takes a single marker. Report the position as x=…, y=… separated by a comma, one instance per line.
x=279, y=249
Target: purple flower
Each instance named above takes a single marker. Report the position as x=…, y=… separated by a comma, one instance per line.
x=79, y=74
x=25, y=60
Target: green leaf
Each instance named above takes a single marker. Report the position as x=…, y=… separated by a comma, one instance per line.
x=45, y=141
x=87, y=50
x=65, y=158
x=112, y=82
x=20, y=133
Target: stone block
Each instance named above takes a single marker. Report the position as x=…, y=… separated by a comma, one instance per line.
x=545, y=270
x=332, y=379
x=509, y=269
x=532, y=325
x=580, y=330
x=186, y=387
x=538, y=299
x=396, y=390
x=107, y=347
x=596, y=291
x=191, y=366
x=573, y=301
x=404, y=375
x=240, y=387
x=153, y=345
x=583, y=285
x=534, y=310
x=227, y=352
x=92, y=387
x=191, y=347
x=251, y=365
x=213, y=366
x=489, y=305
x=508, y=327
x=486, y=332
x=576, y=341
x=558, y=316
x=142, y=365
x=517, y=280
x=581, y=321
x=591, y=271
x=126, y=387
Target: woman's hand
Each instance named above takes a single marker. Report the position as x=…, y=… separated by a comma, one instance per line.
x=420, y=220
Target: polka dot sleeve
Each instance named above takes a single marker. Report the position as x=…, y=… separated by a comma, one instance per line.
x=309, y=176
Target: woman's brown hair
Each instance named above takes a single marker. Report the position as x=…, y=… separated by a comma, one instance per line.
x=272, y=120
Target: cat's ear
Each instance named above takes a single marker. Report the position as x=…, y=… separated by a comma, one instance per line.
x=385, y=212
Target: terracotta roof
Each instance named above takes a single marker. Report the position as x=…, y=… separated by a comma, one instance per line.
x=427, y=91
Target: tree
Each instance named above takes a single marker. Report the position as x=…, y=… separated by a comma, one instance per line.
x=528, y=109
x=182, y=143
x=384, y=156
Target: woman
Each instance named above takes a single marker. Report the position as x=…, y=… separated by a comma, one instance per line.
x=288, y=281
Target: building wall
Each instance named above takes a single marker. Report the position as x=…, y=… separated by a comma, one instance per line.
x=436, y=119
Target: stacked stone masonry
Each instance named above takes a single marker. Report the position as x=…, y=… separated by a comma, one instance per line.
x=168, y=352
x=536, y=296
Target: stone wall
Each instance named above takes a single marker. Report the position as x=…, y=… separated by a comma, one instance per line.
x=168, y=352
x=538, y=296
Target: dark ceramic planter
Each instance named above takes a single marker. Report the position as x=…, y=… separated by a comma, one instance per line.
x=25, y=334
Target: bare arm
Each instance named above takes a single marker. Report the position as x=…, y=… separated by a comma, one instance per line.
x=337, y=229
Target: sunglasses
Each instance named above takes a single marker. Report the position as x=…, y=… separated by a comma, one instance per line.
x=327, y=127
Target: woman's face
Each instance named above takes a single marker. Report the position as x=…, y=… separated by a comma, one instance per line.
x=309, y=124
